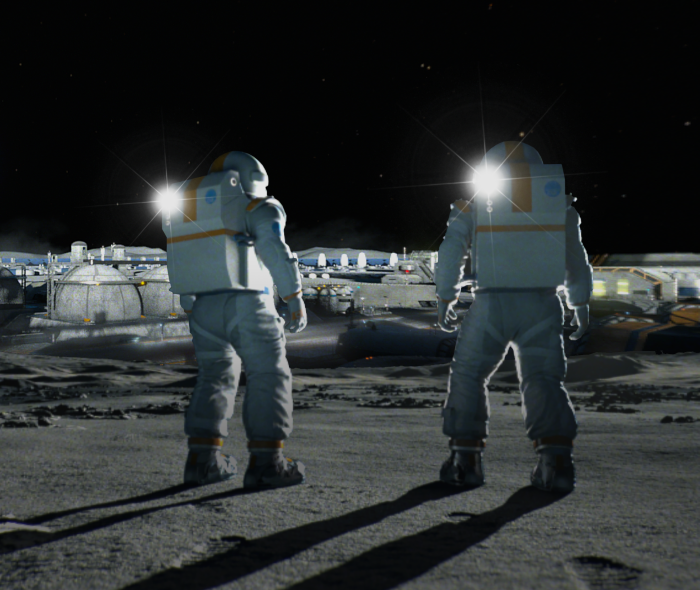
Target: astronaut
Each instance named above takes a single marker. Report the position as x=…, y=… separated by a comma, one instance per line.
x=522, y=233
x=225, y=245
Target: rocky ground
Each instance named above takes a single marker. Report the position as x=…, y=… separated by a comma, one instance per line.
x=93, y=452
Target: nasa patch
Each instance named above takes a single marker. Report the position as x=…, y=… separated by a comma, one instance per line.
x=552, y=188
x=210, y=197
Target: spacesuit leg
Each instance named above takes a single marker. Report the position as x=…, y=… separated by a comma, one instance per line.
x=214, y=395
x=541, y=364
x=257, y=333
x=481, y=347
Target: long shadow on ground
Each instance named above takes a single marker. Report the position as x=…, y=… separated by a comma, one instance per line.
x=31, y=535
x=250, y=556
x=386, y=566
x=149, y=497
x=407, y=558
x=265, y=552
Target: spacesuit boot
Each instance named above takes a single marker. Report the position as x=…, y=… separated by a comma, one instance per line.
x=465, y=465
x=269, y=468
x=206, y=464
x=555, y=471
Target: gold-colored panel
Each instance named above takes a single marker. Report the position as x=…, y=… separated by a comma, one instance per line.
x=686, y=317
x=189, y=206
x=218, y=164
x=514, y=151
x=462, y=205
x=521, y=184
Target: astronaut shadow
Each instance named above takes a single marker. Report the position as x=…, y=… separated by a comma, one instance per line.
x=247, y=557
x=149, y=497
x=30, y=533
x=407, y=558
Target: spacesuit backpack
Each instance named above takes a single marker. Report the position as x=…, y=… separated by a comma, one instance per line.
x=209, y=247
x=521, y=228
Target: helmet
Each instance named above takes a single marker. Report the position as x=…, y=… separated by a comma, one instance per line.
x=250, y=171
x=516, y=153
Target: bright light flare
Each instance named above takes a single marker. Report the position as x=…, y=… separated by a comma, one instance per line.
x=168, y=200
x=487, y=181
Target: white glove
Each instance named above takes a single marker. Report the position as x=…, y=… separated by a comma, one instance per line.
x=297, y=312
x=580, y=319
x=187, y=302
x=447, y=317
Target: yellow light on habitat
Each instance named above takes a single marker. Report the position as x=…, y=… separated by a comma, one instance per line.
x=599, y=289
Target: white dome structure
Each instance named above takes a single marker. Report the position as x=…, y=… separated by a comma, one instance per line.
x=324, y=298
x=85, y=292
x=333, y=300
x=310, y=296
x=344, y=299
x=158, y=300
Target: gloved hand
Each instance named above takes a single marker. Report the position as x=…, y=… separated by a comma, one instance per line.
x=187, y=302
x=580, y=319
x=447, y=317
x=297, y=313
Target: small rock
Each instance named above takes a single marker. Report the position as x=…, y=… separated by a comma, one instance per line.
x=666, y=419
x=21, y=423
x=305, y=406
x=684, y=419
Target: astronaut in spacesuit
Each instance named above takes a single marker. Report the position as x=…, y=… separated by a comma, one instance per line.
x=523, y=238
x=225, y=245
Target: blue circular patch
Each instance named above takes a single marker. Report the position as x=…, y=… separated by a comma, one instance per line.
x=552, y=188
x=210, y=197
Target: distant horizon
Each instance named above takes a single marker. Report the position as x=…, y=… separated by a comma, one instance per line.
x=329, y=251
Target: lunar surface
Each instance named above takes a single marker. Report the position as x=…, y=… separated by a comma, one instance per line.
x=93, y=455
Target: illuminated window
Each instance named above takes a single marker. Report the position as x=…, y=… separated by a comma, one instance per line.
x=599, y=288
x=623, y=287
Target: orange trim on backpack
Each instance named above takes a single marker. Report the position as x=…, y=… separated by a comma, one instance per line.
x=206, y=234
x=218, y=442
x=218, y=164
x=265, y=444
x=253, y=204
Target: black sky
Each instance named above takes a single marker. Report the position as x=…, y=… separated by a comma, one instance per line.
x=334, y=99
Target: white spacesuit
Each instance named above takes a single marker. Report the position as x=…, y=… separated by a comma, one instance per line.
x=223, y=234
x=525, y=242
